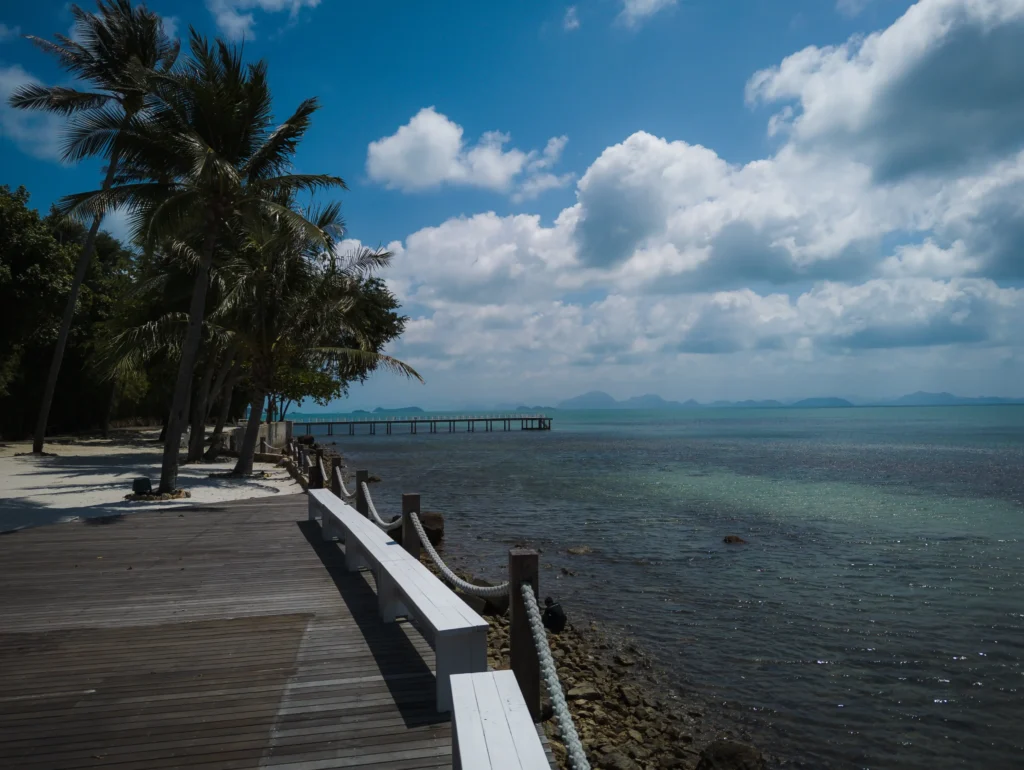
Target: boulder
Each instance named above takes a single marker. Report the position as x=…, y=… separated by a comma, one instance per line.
x=433, y=525
x=579, y=550
x=733, y=539
x=585, y=691
x=307, y=440
x=730, y=755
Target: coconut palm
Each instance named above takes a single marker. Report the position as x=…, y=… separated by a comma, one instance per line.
x=113, y=54
x=206, y=159
x=287, y=298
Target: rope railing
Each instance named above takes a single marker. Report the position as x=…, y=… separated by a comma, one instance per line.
x=385, y=525
x=566, y=727
x=341, y=483
x=464, y=586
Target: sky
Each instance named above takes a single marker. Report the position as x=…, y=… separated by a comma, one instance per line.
x=695, y=198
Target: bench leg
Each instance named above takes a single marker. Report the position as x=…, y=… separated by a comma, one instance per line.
x=388, y=598
x=461, y=653
x=330, y=530
x=311, y=509
x=353, y=555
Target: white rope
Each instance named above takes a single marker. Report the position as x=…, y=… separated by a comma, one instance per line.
x=387, y=526
x=451, y=577
x=341, y=483
x=566, y=728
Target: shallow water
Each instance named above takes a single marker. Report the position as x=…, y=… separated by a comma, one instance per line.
x=875, y=617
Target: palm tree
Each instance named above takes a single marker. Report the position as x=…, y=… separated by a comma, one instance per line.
x=206, y=160
x=288, y=298
x=117, y=48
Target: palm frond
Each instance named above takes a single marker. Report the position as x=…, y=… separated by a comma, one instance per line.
x=56, y=99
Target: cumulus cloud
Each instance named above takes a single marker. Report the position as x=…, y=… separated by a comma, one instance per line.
x=38, y=134
x=851, y=8
x=636, y=12
x=8, y=32
x=833, y=250
x=430, y=151
x=937, y=92
x=236, y=20
x=571, y=20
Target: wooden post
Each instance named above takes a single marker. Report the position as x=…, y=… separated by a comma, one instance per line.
x=334, y=470
x=523, y=567
x=316, y=479
x=263, y=445
x=361, y=506
x=410, y=540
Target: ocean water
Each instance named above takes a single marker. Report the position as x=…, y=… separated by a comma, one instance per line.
x=873, y=619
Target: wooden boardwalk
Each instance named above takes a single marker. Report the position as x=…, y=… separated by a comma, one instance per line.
x=225, y=636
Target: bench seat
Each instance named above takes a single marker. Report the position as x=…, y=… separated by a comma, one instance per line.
x=405, y=587
x=491, y=725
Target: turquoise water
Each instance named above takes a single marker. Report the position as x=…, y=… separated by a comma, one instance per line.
x=875, y=617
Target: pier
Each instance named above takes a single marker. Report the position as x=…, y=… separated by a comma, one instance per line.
x=434, y=424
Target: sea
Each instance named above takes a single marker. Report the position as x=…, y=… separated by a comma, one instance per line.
x=874, y=617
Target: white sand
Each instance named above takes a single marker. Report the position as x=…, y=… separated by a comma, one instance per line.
x=90, y=478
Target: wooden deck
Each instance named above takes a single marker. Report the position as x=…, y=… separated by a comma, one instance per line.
x=223, y=636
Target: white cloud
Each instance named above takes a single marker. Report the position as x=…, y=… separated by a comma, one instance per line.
x=825, y=255
x=116, y=223
x=636, y=12
x=8, y=33
x=170, y=25
x=571, y=20
x=429, y=151
x=940, y=90
x=236, y=21
x=34, y=132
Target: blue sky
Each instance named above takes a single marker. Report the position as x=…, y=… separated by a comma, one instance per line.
x=701, y=199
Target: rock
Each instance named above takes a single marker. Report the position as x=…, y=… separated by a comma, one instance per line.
x=635, y=735
x=617, y=761
x=579, y=550
x=371, y=479
x=306, y=440
x=629, y=696
x=433, y=525
x=625, y=660
x=733, y=539
x=584, y=691
x=730, y=755
x=568, y=572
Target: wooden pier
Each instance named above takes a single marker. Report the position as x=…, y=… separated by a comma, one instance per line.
x=438, y=424
x=211, y=637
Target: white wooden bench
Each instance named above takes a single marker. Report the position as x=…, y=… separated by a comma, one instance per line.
x=405, y=587
x=491, y=726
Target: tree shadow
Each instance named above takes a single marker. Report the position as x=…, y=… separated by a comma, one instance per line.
x=408, y=677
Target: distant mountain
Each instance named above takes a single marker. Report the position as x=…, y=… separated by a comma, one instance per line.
x=358, y=411
x=595, y=399
x=534, y=409
x=820, y=402
x=920, y=398
x=402, y=410
x=648, y=401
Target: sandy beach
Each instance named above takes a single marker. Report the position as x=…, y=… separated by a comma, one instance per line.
x=88, y=478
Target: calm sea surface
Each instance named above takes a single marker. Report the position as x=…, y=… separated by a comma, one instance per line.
x=875, y=617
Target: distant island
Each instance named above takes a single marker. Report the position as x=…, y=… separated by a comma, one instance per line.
x=597, y=399
x=400, y=410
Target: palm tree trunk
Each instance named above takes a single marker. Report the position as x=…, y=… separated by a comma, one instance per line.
x=178, y=417
x=252, y=432
x=200, y=401
x=115, y=388
x=65, y=323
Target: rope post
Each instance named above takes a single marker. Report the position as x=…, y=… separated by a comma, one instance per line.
x=524, y=567
x=410, y=539
x=361, y=506
x=316, y=479
x=334, y=470
x=263, y=445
